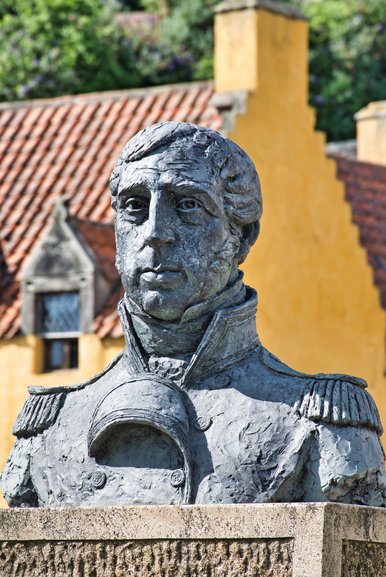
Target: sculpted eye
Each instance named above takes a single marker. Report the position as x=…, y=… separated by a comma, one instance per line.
x=188, y=205
x=136, y=204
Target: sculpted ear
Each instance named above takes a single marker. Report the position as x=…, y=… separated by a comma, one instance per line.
x=248, y=238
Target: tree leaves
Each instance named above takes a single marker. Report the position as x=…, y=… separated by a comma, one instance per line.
x=51, y=47
x=347, y=60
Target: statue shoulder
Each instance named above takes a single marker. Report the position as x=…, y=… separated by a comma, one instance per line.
x=39, y=411
x=332, y=398
x=42, y=407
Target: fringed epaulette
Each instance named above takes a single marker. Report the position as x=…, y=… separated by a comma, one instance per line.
x=333, y=398
x=43, y=405
x=339, y=401
x=38, y=413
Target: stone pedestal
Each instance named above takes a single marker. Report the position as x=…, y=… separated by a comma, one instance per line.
x=278, y=540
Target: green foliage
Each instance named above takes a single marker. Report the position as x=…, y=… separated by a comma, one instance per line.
x=190, y=28
x=51, y=47
x=157, y=62
x=181, y=49
x=347, y=60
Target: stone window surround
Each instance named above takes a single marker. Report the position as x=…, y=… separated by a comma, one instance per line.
x=34, y=286
x=60, y=264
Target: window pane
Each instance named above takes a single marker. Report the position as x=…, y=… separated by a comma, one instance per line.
x=56, y=355
x=60, y=354
x=59, y=312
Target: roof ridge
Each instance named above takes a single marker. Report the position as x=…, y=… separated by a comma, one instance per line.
x=89, y=97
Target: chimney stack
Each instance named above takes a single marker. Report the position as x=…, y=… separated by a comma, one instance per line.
x=259, y=44
x=371, y=133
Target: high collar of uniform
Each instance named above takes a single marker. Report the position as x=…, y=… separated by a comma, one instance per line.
x=168, y=339
x=230, y=336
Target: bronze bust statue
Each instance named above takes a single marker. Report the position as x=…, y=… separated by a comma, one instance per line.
x=195, y=409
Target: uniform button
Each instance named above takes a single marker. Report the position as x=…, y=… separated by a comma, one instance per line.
x=203, y=423
x=222, y=380
x=177, y=478
x=98, y=479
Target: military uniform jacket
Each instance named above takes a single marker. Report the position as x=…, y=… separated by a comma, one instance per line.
x=239, y=426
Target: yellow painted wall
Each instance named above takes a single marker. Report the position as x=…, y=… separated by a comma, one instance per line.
x=319, y=310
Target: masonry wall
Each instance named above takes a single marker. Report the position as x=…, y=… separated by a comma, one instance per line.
x=319, y=310
x=270, y=540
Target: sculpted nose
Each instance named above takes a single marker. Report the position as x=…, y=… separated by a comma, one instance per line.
x=159, y=228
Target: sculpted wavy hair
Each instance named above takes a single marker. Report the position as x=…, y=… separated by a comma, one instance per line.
x=241, y=186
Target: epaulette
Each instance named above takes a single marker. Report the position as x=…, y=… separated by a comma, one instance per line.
x=43, y=405
x=340, y=402
x=38, y=413
x=333, y=398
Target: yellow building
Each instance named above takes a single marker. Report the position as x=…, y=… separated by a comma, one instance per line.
x=319, y=307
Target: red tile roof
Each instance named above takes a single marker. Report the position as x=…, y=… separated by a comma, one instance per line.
x=365, y=186
x=100, y=237
x=107, y=323
x=67, y=146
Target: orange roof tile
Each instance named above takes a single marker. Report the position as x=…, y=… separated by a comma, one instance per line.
x=100, y=237
x=67, y=146
x=365, y=188
x=107, y=323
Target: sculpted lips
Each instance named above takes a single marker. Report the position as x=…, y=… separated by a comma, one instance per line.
x=161, y=276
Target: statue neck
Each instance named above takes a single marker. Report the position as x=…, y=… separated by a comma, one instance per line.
x=181, y=338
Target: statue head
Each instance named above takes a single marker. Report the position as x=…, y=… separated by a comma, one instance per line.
x=187, y=207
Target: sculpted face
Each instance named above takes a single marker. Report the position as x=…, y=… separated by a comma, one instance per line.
x=174, y=243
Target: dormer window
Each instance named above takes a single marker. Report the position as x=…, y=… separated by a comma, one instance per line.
x=58, y=316
x=65, y=282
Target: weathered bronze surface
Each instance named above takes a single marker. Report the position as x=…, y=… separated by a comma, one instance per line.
x=195, y=410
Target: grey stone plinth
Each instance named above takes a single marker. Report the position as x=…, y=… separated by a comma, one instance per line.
x=278, y=540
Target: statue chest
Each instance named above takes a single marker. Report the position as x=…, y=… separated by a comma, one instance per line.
x=230, y=448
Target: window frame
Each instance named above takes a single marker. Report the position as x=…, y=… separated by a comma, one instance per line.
x=49, y=336
x=39, y=316
x=47, y=366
